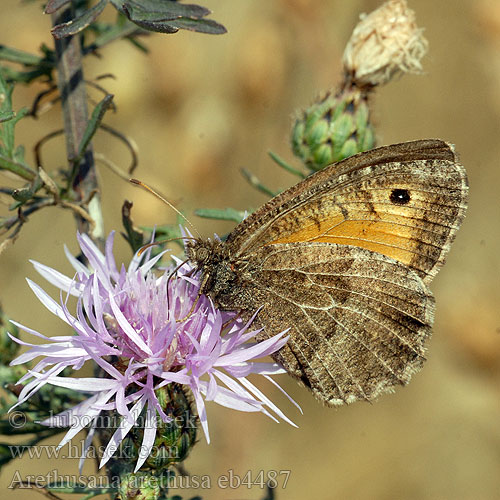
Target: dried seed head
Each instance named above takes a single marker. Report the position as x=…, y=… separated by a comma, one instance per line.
x=383, y=44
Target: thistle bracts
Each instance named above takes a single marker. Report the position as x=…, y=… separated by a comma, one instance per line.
x=174, y=438
x=333, y=128
x=385, y=43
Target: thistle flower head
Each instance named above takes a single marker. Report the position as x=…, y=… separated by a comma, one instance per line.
x=144, y=332
x=384, y=43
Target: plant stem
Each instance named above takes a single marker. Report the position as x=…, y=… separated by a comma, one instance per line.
x=73, y=93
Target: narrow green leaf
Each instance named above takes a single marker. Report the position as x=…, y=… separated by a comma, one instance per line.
x=199, y=25
x=118, y=31
x=161, y=10
x=7, y=129
x=157, y=27
x=137, y=14
x=12, y=158
x=61, y=487
x=138, y=45
x=18, y=56
x=6, y=449
x=21, y=170
x=164, y=234
x=54, y=5
x=8, y=125
x=255, y=182
x=169, y=17
x=134, y=236
x=18, y=115
x=221, y=214
x=6, y=116
x=6, y=428
x=19, y=155
x=283, y=164
x=93, y=125
x=12, y=75
x=80, y=23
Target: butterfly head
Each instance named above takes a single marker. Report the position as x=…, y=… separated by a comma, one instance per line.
x=203, y=252
x=211, y=258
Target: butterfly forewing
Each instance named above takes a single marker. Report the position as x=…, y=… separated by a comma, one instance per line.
x=405, y=201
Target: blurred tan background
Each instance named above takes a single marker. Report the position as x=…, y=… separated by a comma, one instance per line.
x=202, y=107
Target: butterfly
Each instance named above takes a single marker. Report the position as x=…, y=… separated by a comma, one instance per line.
x=343, y=260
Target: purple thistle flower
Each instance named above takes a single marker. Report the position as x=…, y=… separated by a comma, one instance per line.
x=153, y=340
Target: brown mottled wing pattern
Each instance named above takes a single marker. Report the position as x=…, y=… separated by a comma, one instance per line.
x=358, y=320
x=358, y=202
x=342, y=259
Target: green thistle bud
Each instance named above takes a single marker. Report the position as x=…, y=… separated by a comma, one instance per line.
x=139, y=486
x=174, y=439
x=333, y=128
x=8, y=348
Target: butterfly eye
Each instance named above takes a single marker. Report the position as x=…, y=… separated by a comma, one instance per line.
x=201, y=254
x=400, y=196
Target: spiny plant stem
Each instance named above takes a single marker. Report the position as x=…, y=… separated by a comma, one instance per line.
x=73, y=93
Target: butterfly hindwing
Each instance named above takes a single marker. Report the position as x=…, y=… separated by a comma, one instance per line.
x=358, y=320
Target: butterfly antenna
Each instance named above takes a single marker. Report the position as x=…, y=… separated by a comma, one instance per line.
x=154, y=243
x=154, y=193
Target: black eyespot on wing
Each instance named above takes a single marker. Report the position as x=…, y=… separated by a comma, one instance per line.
x=400, y=196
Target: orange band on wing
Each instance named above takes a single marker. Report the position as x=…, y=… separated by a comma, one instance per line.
x=386, y=238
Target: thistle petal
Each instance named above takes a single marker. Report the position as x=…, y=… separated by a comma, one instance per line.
x=125, y=314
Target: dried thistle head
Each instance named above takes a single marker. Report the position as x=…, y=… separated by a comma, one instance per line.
x=383, y=44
